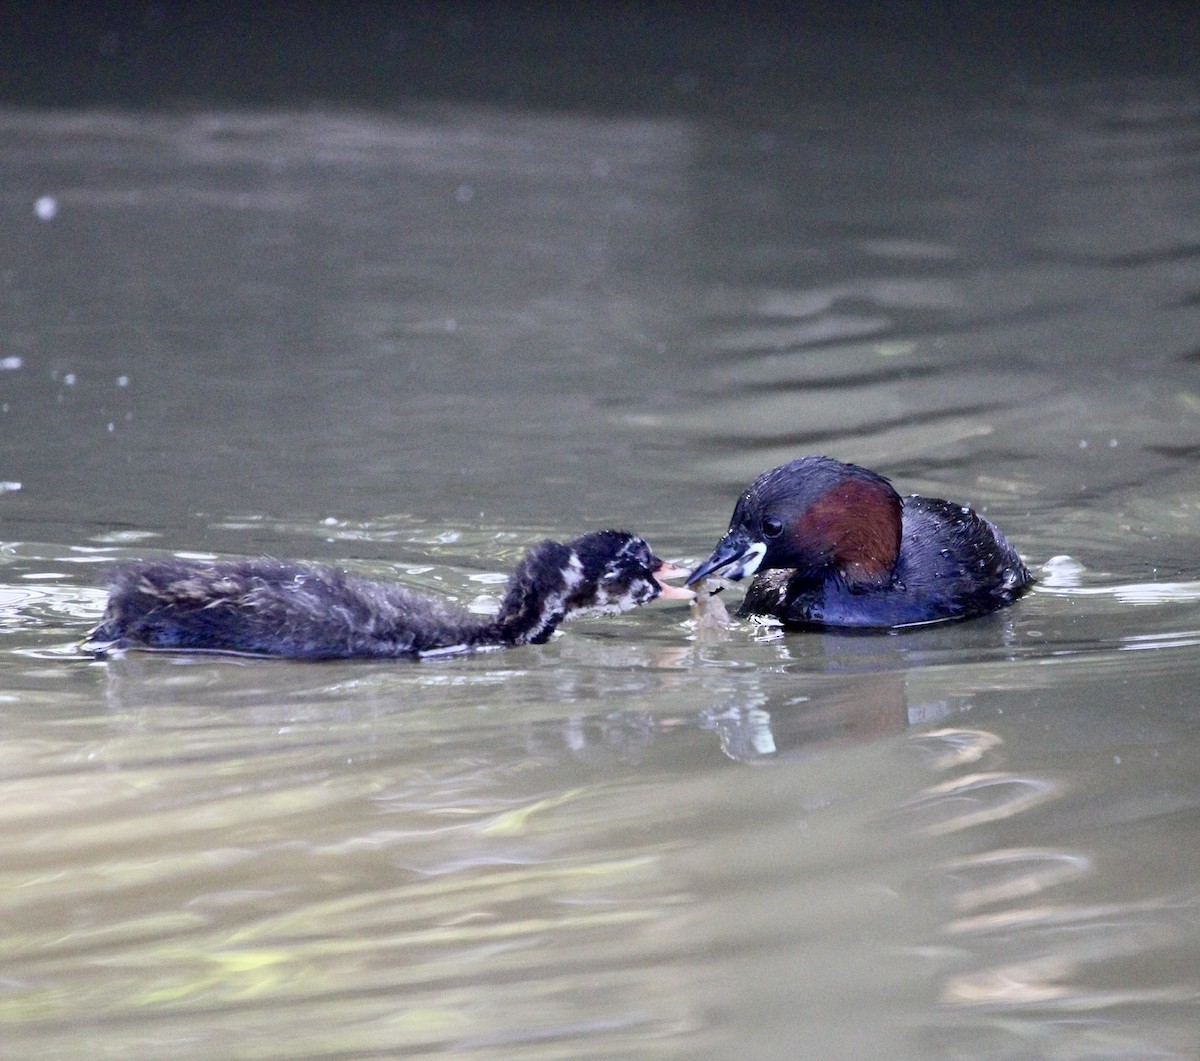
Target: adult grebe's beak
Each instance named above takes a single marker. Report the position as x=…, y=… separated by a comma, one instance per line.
x=665, y=570
x=737, y=552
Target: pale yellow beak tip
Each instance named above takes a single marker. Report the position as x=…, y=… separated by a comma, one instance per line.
x=673, y=592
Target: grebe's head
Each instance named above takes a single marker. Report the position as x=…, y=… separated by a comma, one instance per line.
x=814, y=514
x=611, y=571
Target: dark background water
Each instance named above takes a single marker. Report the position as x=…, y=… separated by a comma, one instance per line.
x=410, y=287
x=628, y=58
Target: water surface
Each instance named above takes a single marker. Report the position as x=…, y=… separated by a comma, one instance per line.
x=415, y=342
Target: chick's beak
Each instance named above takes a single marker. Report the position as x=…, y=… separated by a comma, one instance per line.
x=736, y=552
x=665, y=570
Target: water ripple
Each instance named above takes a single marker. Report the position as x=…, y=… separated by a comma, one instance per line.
x=978, y=799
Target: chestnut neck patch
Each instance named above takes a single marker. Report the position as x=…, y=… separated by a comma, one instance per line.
x=856, y=524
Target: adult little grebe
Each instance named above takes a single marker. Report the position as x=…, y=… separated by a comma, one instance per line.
x=297, y=611
x=838, y=547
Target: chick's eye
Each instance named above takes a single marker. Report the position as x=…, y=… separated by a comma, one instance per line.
x=772, y=527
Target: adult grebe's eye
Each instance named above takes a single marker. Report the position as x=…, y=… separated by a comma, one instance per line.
x=772, y=527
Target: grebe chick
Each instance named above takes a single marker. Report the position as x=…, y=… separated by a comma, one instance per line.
x=298, y=611
x=838, y=547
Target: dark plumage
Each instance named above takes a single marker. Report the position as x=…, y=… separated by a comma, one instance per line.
x=838, y=547
x=300, y=611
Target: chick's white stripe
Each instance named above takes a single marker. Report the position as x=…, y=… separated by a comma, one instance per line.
x=555, y=607
x=573, y=573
